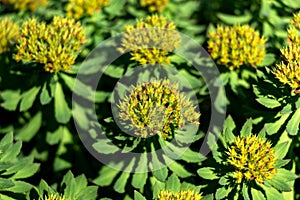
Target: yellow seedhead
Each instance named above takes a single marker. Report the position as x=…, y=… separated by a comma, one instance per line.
x=80, y=8
x=56, y=45
x=154, y=5
x=9, y=32
x=150, y=41
x=236, y=46
x=31, y=5
x=156, y=106
x=253, y=159
x=184, y=194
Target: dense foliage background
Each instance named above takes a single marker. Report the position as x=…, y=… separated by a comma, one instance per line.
x=44, y=44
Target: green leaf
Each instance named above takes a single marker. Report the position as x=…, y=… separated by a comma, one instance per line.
x=295, y=4
x=88, y=193
x=257, y=195
x=105, y=146
x=19, y=187
x=11, y=99
x=234, y=19
x=114, y=71
x=139, y=180
x=61, y=108
x=286, y=174
x=120, y=184
x=28, y=98
x=279, y=183
x=5, y=183
x=267, y=102
x=271, y=193
x=247, y=128
x=70, y=189
x=45, y=97
x=27, y=132
x=222, y=192
x=224, y=180
x=54, y=137
x=173, y=184
x=177, y=168
x=27, y=171
x=192, y=157
x=208, y=197
x=245, y=192
x=274, y=127
x=138, y=196
x=229, y=123
x=280, y=163
x=140, y=176
x=268, y=60
x=293, y=125
x=7, y=140
x=159, y=170
x=106, y=176
x=281, y=149
x=211, y=141
x=11, y=152
x=207, y=173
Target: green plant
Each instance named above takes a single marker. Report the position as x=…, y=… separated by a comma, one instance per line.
x=70, y=188
x=246, y=165
x=14, y=169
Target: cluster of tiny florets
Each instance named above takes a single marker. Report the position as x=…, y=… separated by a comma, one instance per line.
x=236, y=46
x=56, y=45
x=288, y=70
x=150, y=41
x=9, y=31
x=31, y=5
x=184, y=194
x=156, y=106
x=54, y=197
x=154, y=5
x=253, y=159
x=80, y=8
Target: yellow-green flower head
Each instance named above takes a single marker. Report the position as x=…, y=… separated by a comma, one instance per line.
x=154, y=5
x=151, y=40
x=253, y=159
x=236, y=46
x=294, y=30
x=80, y=8
x=288, y=73
x=31, y=5
x=157, y=107
x=186, y=195
x=9, y=31
x=54, y=197
x=56, y=45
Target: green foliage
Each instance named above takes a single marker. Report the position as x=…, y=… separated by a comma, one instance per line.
x=14, y=169
x=68, y=120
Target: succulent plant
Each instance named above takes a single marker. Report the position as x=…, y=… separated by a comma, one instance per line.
x=247, y=165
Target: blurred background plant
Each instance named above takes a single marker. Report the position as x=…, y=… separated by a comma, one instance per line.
x=260, y=75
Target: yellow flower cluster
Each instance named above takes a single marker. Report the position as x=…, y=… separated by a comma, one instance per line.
x=31, y=5
x=54, y=197
x=154, y=5
x=288, y=70
x=156, y=106
x=9, y=31
x=80, y=8
x=236, y=46
x=186, y=195
x=56, y=45
x=253, y=158
x=150, y=41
